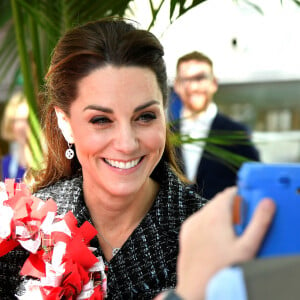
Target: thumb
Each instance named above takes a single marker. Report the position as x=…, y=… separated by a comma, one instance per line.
x=253, y=236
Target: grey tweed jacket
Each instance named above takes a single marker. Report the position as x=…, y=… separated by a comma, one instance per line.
x=146, y=263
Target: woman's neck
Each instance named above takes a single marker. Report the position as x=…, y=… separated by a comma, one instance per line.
x=115, y=218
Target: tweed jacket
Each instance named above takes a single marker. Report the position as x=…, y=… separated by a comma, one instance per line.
x=146, y=263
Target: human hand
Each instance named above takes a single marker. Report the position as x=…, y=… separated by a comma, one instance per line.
x=208, y=242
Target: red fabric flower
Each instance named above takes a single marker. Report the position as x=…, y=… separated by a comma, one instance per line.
x=60, y=258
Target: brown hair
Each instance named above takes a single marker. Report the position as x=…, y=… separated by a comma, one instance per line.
x=80, y=51
x=195, y=55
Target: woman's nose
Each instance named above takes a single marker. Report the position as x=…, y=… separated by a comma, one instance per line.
x=126, y=139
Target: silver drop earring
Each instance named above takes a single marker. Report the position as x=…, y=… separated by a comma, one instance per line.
x=69, y=152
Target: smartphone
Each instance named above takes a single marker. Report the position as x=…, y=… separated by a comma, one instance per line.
x=281, y=182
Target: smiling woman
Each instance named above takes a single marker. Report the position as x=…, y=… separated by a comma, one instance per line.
x=109, y=157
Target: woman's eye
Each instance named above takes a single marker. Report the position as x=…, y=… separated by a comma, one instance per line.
x=147, y=117
x=100, y=120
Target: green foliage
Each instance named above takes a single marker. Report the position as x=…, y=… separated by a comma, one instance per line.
x=5, y=12
x=215, y=145
x=181, y=6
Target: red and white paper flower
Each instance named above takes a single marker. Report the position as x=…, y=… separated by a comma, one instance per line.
x=61, y=264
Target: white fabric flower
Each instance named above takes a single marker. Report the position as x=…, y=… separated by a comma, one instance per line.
x=6, y=215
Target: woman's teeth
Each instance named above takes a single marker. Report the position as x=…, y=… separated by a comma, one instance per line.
x=121, y=164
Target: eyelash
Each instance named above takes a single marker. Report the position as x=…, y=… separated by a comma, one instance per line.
x=147, y=117
x=144, y=117
x=100, y=120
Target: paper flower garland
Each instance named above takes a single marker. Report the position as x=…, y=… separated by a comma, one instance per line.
x=61, y=264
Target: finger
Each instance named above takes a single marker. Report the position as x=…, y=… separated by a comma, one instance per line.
x=217, y=212
x=225, y=203
x=252, y=237
x=224, y=200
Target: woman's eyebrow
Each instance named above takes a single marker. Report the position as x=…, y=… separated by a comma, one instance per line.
x=99, y=108
x=109, y=110
x=145, y=105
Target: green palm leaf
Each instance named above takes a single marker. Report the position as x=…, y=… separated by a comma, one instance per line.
x=215, y=146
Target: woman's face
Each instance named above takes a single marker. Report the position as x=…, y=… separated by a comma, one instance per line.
x=118, y=126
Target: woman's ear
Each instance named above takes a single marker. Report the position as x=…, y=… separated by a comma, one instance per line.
x=64, y=125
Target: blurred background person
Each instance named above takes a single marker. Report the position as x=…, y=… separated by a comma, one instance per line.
x=194, y=113
x=14, y=130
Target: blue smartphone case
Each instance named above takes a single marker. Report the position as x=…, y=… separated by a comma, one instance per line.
x=281, y=182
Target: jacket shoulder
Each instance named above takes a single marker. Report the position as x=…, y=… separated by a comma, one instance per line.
x=223, y=122
x=64, y=192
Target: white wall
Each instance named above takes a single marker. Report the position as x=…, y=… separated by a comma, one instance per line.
x=279, y=147
x=268, y=45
